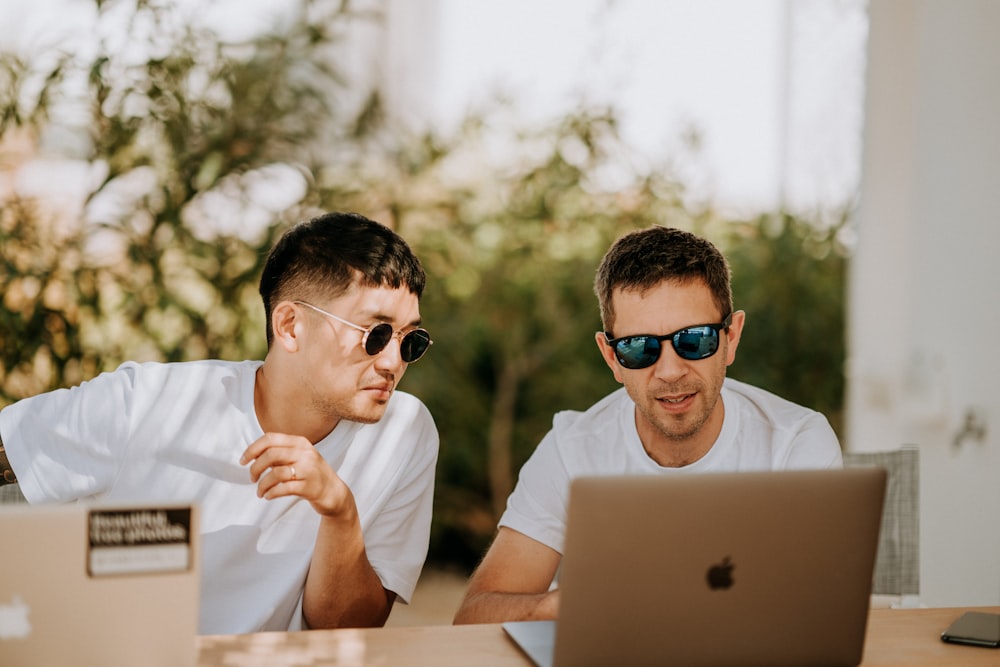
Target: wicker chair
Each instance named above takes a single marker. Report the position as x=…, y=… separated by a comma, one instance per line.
x=897, y=565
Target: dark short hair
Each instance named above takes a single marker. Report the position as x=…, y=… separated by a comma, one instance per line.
x=322, y=257
x=643, y=259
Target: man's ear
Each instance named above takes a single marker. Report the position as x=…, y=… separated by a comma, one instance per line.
x=733, y=335
x=609, y=356
x=285, y=323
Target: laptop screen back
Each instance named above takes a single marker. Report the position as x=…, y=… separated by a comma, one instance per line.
x=769, y=568
x=98, y=585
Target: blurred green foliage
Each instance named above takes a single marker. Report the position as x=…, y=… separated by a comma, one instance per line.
x=510, y=239
x=789, y=275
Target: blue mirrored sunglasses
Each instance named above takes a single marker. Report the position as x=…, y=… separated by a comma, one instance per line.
x=691, y=343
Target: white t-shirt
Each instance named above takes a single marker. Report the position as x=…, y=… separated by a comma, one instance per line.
x=176, y=432
x=761, y=431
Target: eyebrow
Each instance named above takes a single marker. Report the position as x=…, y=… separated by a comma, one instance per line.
x=381, y=317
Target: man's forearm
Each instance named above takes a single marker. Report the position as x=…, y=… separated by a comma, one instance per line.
x=342, y=588
x=496, y=607
x=6, y=472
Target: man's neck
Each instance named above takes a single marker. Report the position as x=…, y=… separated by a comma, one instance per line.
x=277, y=414
x=677, y=452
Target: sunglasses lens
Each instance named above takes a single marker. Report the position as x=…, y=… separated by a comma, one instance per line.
x=635, y=352
x=378, y=337
x=414, y=344
x=696, y=343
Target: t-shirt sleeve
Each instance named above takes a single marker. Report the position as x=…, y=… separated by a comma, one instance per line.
x=537, y=506
x=67, y=444
x=815, y=445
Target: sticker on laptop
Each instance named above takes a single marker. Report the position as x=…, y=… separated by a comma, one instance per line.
x=139, y=541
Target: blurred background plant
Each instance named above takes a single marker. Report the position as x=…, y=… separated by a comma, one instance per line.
x=197, y=153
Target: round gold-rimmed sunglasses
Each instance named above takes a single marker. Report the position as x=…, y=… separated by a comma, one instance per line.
x=412, y=343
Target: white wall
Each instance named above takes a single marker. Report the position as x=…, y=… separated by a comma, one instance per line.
x=923, y=311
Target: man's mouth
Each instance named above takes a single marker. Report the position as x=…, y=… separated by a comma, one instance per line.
x=380, y=383
x=677, y=400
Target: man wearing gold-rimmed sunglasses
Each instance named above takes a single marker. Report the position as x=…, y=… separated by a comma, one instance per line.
x=314, y=476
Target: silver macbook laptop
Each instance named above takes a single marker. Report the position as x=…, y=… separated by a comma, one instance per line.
x=98, y=585
x=768, y=568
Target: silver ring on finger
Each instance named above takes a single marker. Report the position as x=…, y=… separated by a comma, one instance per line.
x=292, y=468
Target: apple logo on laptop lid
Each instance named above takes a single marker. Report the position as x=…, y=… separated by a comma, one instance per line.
x=720, y=575
x=14, y=623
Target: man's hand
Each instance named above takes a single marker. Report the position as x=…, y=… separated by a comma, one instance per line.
x=288, y=465
x=6, y=472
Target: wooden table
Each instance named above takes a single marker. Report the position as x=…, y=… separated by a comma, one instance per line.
x=899, y=637
x=896, y=638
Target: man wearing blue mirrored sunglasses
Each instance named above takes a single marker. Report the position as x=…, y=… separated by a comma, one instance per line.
x=669, y=334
